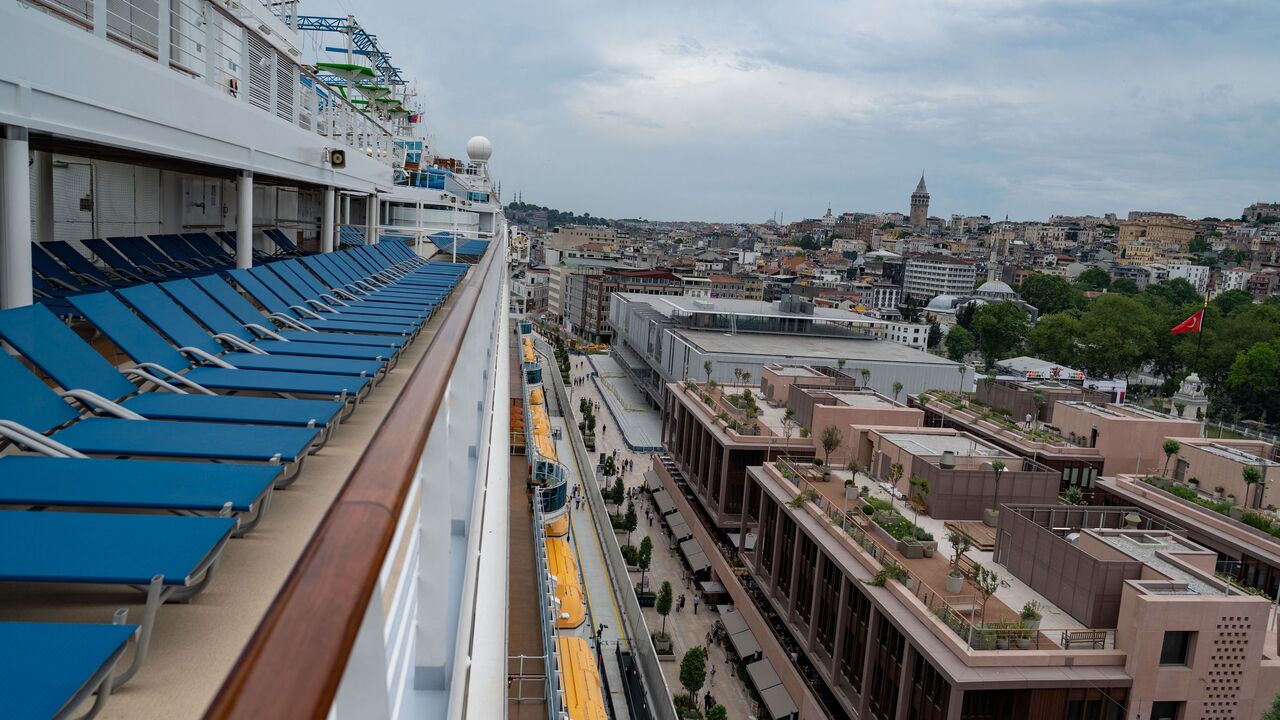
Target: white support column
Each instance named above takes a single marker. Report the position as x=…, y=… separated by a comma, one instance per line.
x=15, y=218
x=244, y=220
x=371, y=219
x=42, y=167
x=326, y=222
x=346, y=209
x=170, y=201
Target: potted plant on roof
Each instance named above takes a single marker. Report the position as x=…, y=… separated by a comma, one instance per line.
x=1030, y=615
x=959, y=546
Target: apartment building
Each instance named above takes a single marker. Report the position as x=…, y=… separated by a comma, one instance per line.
x=1197, y=275
x=572, y=236
x=1173, y=235
x=927, y=276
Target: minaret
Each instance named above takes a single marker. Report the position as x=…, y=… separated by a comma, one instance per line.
x=920, y=205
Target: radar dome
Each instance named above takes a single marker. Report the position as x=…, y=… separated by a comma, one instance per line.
x=479, y=149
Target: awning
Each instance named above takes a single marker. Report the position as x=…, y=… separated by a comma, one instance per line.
x=652, y=481
x=679, y=528
x=736, y=540
x=732, y=620
x=778, y=703
x=745, y=644
x=664, y=502
x=693, y=554
x=762, y=675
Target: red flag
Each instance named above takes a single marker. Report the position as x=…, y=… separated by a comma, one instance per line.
x=1191, y=324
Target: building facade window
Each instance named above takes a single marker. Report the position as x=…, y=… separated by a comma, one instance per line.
x=1176, y=649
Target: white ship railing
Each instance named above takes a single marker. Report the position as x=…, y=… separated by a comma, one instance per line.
x=246, y=52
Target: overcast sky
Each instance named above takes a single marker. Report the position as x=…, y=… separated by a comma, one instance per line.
x=735, y=109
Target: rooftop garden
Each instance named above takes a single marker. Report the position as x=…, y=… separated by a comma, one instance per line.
x=1262, y=520
x=997, y=416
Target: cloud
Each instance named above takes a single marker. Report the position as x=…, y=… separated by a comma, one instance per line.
x=736, y=109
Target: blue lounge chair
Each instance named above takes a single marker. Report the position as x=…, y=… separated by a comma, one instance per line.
x=117, y=262
x=326, y=284
x=154, y=354
x=287, y=247
x=51, y=669
x=184, y=254
x=90, y=380
x=210, y=248
x=35, y=416
x=302, y=318
x=249, y=317
x=84, y=268
x=304, y=304
x=161, y=311
x=142, y=254
x=213, y=316
x=290, y=273
x=228, y=238
x=172, y=558
x=54, y=273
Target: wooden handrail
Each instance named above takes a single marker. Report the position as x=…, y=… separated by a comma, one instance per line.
x=296, y=658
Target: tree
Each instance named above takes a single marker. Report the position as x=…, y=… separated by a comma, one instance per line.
x=1170, y=448
x=997, y=467
x=998, y=330
x=1231, y=300
x=1252, y=380
x=935, y=335
x=1040, y=400
x=1094, y=279
x=866, y=376
x=707, y=367
x=1054, y=339
x=1116, y=336
x=895, y=474
x=1177, y=292
x=1050, y=293
x=1124, y=286
x=897, y=388
x=919, y=491
x=663, y=604
x=737, y=373
x=960, y=544
x=718, y=712
x=788, y=422
x=630, y=520
x=959, y=343
x=831, y=440
x=617, y=493
x=693, y=670
x=746, y=378
x=964, y=316
x=1273, y=713
x=986, y=582
x=644, y=557
x=1251, y=476
x=840, y=364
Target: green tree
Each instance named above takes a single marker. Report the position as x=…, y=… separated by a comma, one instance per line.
x=1231, y=300
x=1116, y=336
x=935, y=335
x=986, y=582
x=998, y=330
x=897, y=388
x=1252, y=381
x=718, y=712
x=707, y=367
x=1124, y=286
x=866, y=376
x=617, y=493
x=1050, y=293
x=919, y=491
x=1273, y=713
x=959, y=343
x=997, y=467
x=1094, y=279
x=630, y=520
x=1170, y=448
x=663, y=604
x=831, y=440
x=693, y=670
x=1251, y=476
x=1177, y=292
x=1054, y=339
x=644, y=557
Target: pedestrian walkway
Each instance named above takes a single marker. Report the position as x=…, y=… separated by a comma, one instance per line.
x=641, y=426
x=687, y=628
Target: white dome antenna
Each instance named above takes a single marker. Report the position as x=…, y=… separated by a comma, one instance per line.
x=479, y=149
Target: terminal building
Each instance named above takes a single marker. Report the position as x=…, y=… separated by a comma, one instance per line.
x=662, y=339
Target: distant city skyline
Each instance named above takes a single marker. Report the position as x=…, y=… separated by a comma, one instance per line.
x=718, y=112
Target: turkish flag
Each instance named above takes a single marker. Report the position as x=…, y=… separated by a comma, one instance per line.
x=1190, y=325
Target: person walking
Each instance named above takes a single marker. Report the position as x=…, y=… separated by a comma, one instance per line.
x=713, y=675
x=695, y=604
